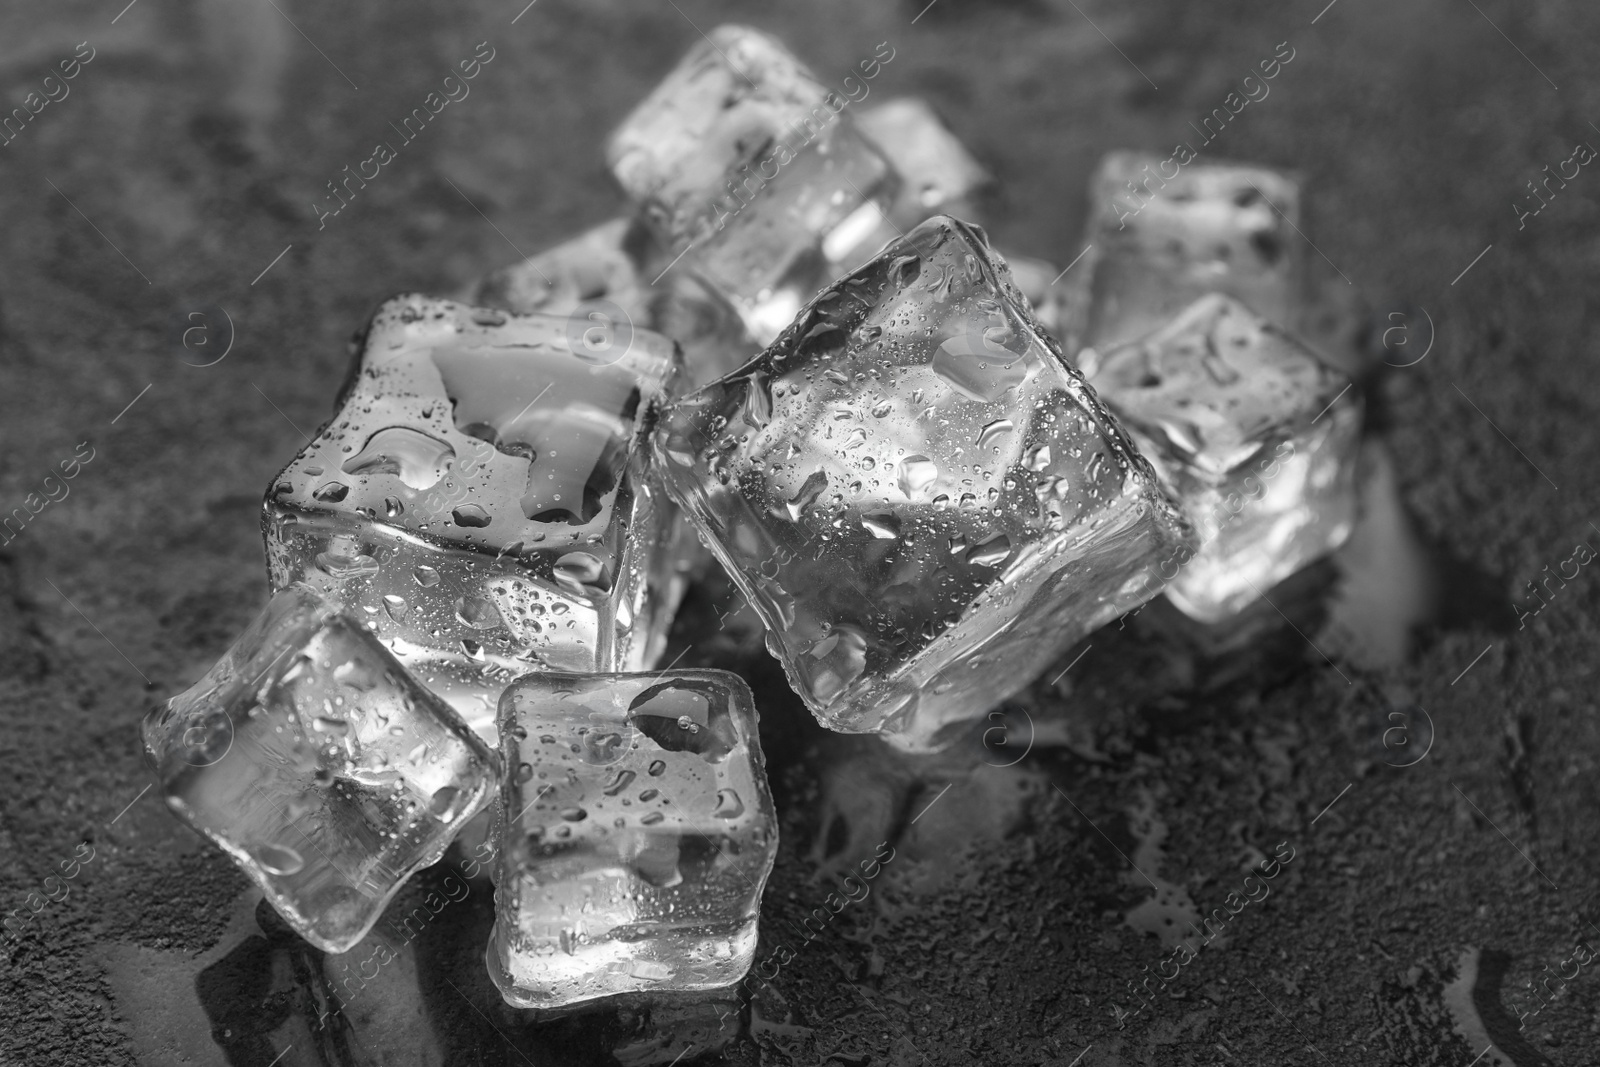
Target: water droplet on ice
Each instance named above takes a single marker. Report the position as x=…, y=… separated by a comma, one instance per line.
x=993, y=430
x=471, y=515
x=991, y=553
x=279, y=859
x=333, y=727
x=883, y=526
x=418, y=459
x=916, y=474
x=582, y=573
x=657, y=768
x=426, y=576
x=396, y=606
x=810, y=489
x=729, y=806
x=442, y=805
x=331, y=492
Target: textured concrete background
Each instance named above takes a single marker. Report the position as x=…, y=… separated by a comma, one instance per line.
x=1418, y=909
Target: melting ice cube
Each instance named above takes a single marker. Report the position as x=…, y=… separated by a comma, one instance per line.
x=1256, y=437
x=744, y=163
x=473, y=452
x=312, y=758
x=638, y=833
x=917, y=398
x=1163, y=235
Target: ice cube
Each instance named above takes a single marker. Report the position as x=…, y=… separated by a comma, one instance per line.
x=603, y=279
x=479, y=498
x=924, y=502
x=1256, y=437
x=638, y=833
x=312, y=758
x=1163, y=235
x=745, y=165
x=938, y=175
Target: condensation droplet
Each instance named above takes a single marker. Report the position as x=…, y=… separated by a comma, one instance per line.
x=279, y=859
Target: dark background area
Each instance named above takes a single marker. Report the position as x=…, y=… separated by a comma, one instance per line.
x=1418, y=908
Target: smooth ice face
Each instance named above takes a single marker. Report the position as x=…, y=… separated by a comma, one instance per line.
x=612, y=279
x=742, y=161
x=923, y=501
x=637, y=834
x=1160, y=242
x=938, y=175
x=1240, y=420
x=479, y=499
x=311, y=757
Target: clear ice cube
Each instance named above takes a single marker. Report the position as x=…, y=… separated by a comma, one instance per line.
x=744, y=164
x=1159, y=242
x=924, y=502
x=315, y=760
x=637, y=833
x=1256, y=437
x=938, y=175
x=480, y=497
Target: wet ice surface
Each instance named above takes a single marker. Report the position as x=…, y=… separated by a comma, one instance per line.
x=1160, y=243
x=1256, y=437
x=637, y=831
x=742, y=161
x=925, y=504
x=313, y=759
x=479, y=499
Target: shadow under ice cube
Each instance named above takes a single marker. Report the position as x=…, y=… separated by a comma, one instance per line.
x=637, y=833
x=311, y=757
x=480, y=497
x=1256, y=437
x=923, y=501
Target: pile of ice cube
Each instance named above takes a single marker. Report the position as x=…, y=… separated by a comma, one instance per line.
x=935, y=479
